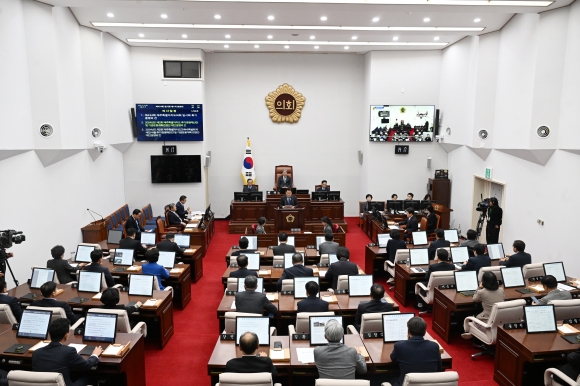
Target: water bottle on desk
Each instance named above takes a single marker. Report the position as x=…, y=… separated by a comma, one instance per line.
x=408, y=263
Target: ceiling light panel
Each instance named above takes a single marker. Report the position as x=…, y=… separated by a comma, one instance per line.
x=509, y=3
x=281, y=42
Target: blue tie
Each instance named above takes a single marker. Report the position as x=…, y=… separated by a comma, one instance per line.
x=288, y=200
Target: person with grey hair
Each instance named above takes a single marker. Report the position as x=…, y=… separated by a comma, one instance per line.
x=251, y=301
x=296, y=270
x=337, y=361
x=173, y=218
x=284, y=181
x=251, y=362
x=416, y=355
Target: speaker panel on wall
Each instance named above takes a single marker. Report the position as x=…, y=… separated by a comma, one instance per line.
x=436, y=123
x=133, y=118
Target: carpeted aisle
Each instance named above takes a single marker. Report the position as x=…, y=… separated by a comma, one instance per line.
x=184, y=359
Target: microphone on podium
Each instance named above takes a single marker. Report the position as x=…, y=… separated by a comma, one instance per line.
x=91, y=213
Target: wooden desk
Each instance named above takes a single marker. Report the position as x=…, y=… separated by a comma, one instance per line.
x=267, y=255
x=405, y=281
x=374, y=260
x=128, y=370
x=95, y=231
x=159, y=321
x=226, y=306
x=202, y=238
x=517, y=352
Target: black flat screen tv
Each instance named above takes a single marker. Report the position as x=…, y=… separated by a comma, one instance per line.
x=168, y=169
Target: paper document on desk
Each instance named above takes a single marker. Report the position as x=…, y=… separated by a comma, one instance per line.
x=78, y=347
x=270, y=297
x=326, y=298
x=233, y=307
x=393, y=226
x=417, y=270
x=305, y=354
x=277, y=355
x=321, y=273
x=74, y=265
x=564, y=287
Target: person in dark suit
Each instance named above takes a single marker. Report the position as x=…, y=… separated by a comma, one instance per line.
x=133, y=222
x=416, y=355
x=478, y=261
x=374, y=305
x=250, y=362
x=494, y=221
x=110, y=299
x=250, y=187
x=445, y=264
x=341, y=267
x=96, y=266
x=129, y=242
x=60, y=358
x=173, y=218
x=284, y=181
x=289, y=200
x=243, y=243
x=411, y=224
x=242, y=270
x=312, y=303
x=520, y=258
x=439, y=243
x=180, y=208
x=297, y=270
x=366, y=207
x=251, y=301
x=431, y=219
x=48, y=291
x=326, y=224
x=283, y=248
x=169, y=245
x=62, y=268
x=328, y=246
x=323, y=187
x=571, y=368
x=395, y=243
x=10, y=300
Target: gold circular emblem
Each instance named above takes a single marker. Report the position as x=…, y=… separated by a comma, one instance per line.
x=403, y=110
x=285, y=104
x=290, y=218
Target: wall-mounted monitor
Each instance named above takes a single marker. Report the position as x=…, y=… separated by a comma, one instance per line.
x=167, y=169
x=169, y=122
x=396, y=123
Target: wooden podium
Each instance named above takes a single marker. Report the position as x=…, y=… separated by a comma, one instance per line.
x=289, y=218
x=95, y=232
x=443, y=212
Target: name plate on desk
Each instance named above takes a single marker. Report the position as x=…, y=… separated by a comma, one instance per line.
x=341, y=292
x=373, y=335
x=300, y=336
x=514, y=326
x=231, y=293
x=287, y=292
x=227, y=336
x=402, y=262
x=572, y=321
x=446, y=286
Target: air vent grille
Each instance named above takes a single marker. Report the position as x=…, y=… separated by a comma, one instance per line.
x=46, y=130
x=543, y=132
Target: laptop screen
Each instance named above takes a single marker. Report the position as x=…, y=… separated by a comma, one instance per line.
x=90, y=281
x=332, y=258
x=360, y=285
x=148, y=238
x=34, y=324
x=512, y=277
x=466, y=281
x=319, y=239
x=100, y=327
x=166, y=259
x=419, y=256
x=317, y=325
x=288, y=259
x=495, y=251
x=556, y=270
x=459, y=254
x=451, y=236
x=252, y=242
x=260, y=287
x=253, y=261
x=114, y=236
x=258, y=325
x=182, y=240
x=300, y=286
x=395, y=327
x=41, y=276
x=540, y=318
x=83, y=254
x=420, y=238
x=290, y=240
x=383, y=239
x=141, y=285
x=123, y=257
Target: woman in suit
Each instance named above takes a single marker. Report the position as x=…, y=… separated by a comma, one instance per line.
x=431, y=219
x=488, y=293
x=110, y=299
x=327, y=224
x=366, y=207
x=260, y=228
x=62, y=268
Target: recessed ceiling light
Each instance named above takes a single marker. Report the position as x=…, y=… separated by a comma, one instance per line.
x=426, y=20
x=271, y=17
x=477, y=20
x=184, y=36
x=228, y=36
x=354, y=38
x=163, y=16
x=269, y=36
x=312, y=37
x=256, y=46
x=323, y=18
x=395, y=38
x=375, y=19
x=226, y=46
x=315, y=47
x=346, y=47
x=217, y=16
x=141, y=35
x=436, y=38
x=285, y=42
x=110, y=14
x=286, y=47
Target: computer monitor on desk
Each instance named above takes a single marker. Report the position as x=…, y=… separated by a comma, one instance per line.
x=302, y=191
x=182, y=240
x=100, y=327
x=540, y=319
x=415, y=204
x=425, y=204
x=451, y=236
x=148, y=238
x=395, y=205
x=319, y=196
x=557, y=270
x=241, y=196
x=41, y=276
x=252, y=241
x=283, y=190
x=383, y=239
x=495, y=251
x=334, y=196
x=256, y=196
x=512, y=277
x=257, y=324
x=378, y=205
x=420, y=238
x=290, y=241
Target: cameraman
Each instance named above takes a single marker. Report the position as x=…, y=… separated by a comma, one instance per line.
x=495, y=214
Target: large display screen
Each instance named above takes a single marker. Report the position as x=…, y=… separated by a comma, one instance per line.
x=169, y=122
x=402, y=123
x=175, y=168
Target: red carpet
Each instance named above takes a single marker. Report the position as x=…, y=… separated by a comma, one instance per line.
x=184, y=359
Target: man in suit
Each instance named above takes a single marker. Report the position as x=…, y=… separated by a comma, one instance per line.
x=289, y=200
x=129, y=242
x=478, y=261
x=173, y=218
x=395, y=243
x=242, y=270
x=411, y=224
x=494, y=221
x=323, y=187
x=312, y=303
x=250, y=187
x=180, y=208
x=283, y=248
x=297, y=270
x=341, y=267
x=58, y=357
x=416, y=355
x=445, y=264
x=251, y=301
x=376, y=304
x=338, y=361
x=11, y=301
x=328, y=246
x=520, y=258
x=439, y=243
x=48, y=291
x=96, y=266
x=243, y=244
x=169, y=245
x=284, y=181
x=133, y=222
x=550, y=284
x=471, y=241
x=250, y=362
x=62, y=268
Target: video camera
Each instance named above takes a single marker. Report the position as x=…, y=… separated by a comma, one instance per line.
x=9, y=237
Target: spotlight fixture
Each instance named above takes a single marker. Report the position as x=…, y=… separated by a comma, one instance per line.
x=271, y=17
x=163, y=16
x=217, y=17
x=375, y=19
x=110, y=14
x=426, y=20
x=323, y=18
x=477, y=20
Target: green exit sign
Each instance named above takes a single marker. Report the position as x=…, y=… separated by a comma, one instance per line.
x=488, y=172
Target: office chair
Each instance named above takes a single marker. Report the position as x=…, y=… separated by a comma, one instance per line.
x=58, y=313
x=495, y=269
x=566, y=309
x=324, y=259
x=342, y=283
x=402, y=254
x=278, y=261
x=447, y=378
x=156, y=286
x=122, y=321
x=533, y=270
x=253, y=379
x=34, y=378
x=6, y=315
x=232, y=284
x=288, y=285
x=435, y=280
x=548, y=381
x=371, y=322
x=342, y=382
x=278, y=172
x=303, y=322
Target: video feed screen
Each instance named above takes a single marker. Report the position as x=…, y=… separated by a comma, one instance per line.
x=390, y=123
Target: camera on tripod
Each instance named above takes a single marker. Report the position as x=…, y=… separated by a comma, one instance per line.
x=483, y=205
x=10, y=237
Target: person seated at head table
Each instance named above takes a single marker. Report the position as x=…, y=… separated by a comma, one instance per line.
x=550, y=285
x=251, y=301
x=479, y=260
x=427, y=197
x=10, y=300
x=328, y=246
x=520, y=258
x=431, y=219
x=61, y=266
x=488, y=293
x=243, y=244
x=366, y=206
x=260, y=227
x=180, y=207
x=48, y=291
x=129, y=242
x=376, y=304
x=297, y=270
x=96, y=266
x=341, y=267
x=153, y=268
x=169, y=245
x=250, y=187
x=289, y=200
x=285, y=181
x=440, y=242
x=242, y=270
x=312, y=303
x=323, y=187
x=57, y=357
x=283, y=248
x=394, y=197
x=410, y=196
x=250, y=362
x=336, y=360
x=173, y=218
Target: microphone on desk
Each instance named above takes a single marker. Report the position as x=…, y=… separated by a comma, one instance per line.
x=91, y=213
